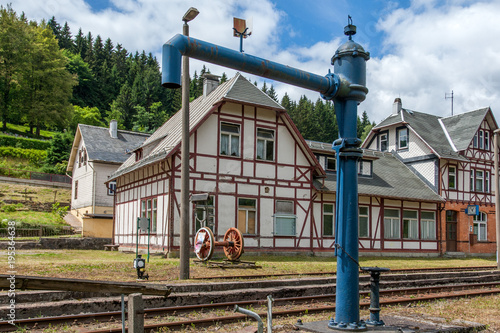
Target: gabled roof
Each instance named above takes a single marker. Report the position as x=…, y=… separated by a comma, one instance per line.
x=167, y=138
x=446, y=137
x=462, y=127
x=101, y=147
x=391, y=179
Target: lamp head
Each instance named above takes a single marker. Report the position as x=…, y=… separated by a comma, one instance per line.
x=190, y=14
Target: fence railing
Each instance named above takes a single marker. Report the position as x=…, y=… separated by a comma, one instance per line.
x=41, y=231
x=34, y=175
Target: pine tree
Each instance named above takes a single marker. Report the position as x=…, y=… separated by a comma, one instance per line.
x=65, y=40
x=272, y=93
x=223, y=78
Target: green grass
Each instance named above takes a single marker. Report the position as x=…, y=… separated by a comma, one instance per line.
x=33, y=218
x=35, y=193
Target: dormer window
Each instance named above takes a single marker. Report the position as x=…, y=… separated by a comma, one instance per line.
x=331, y=164
x=138, y=154
x=384, y=141
x=403, y=138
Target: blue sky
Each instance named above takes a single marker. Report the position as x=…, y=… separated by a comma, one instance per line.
x=420, y=49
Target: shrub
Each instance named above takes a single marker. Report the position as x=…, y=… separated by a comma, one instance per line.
x=11, y=208
x=12, y=141
x=34, y=156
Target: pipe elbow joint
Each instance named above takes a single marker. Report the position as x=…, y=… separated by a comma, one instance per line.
x=172, y=52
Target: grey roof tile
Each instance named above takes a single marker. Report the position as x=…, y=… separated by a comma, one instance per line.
x=391, y=179
x=462, y=127
x=102, y=147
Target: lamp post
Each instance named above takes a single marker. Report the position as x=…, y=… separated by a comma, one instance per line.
x=497, y=194
x=184, y=227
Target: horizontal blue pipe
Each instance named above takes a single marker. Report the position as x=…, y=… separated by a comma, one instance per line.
x=181, y=45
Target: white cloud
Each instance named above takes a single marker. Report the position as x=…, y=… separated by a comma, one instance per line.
x=433, y=50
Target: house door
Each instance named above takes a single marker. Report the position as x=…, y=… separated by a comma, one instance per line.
x=451, y=230
x=451, y=237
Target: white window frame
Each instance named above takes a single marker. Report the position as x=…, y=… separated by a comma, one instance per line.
x=479, y=177
x=248, y=210
x=386, y=140
x=112, y=187
x=405, y=131
x=486, y=182
x=392, y=225
x=327, y=214
x=287, y=217
x=200, y=214
x=452, y=175
x=233, y=137
x=481, y=142
x=362, y=219
x=410, y=224
x=264, y=142
x=486, y=140
x=428, y=226
x=327, y=163
x=149, y=209
x=481, y=226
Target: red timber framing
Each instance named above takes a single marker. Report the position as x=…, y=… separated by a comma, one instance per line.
x=246, y=173
x=376, y=241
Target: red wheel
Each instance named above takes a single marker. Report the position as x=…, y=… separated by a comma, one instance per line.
x=235, y=251
x=204, y=244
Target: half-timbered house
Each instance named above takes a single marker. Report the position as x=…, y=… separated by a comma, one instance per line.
x=454, y=156
x=263, y=178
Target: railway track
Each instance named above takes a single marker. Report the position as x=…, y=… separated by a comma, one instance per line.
x=418, y=287
x=394, y=271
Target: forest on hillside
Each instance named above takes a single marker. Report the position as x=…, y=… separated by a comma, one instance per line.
x=53, y=79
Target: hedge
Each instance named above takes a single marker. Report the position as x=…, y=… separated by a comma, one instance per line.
x=25, y=143
x=33, y=155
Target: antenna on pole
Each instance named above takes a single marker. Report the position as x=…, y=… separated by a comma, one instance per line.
x=449, y=96
x=241, y=30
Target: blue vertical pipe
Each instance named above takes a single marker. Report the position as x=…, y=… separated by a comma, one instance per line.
x=350, y=64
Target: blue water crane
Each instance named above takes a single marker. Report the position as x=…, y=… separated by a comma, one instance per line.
x=347, y=88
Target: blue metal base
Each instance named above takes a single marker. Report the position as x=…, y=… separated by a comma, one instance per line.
x=352, y=327
x=375, y=322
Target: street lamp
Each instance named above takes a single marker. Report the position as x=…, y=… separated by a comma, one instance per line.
x=184, y=227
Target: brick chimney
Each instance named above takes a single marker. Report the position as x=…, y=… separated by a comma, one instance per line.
x=396, y=107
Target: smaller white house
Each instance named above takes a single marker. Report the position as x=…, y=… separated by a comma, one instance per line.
x=96, y=153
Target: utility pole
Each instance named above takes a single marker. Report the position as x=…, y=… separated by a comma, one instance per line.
x=497, y=194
